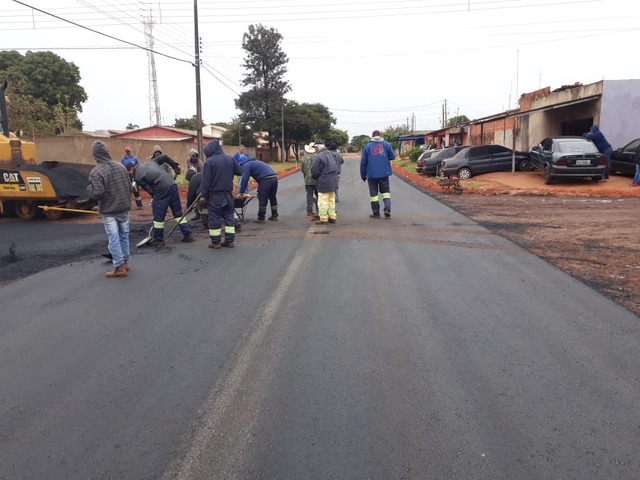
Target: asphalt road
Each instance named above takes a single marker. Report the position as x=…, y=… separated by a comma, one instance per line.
x=422, y=346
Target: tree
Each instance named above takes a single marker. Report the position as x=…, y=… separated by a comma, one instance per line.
x=457, y=120
x=303, y=123
x=261, y=106
x=337, y=137
x=238, y=133
x=187, y=123
x=132, y=126
x=42, y=78
x=391, y=133
x=359, y=141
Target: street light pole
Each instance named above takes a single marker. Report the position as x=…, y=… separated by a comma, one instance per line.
x=197, y=65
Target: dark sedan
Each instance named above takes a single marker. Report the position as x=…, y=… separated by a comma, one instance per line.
x=431, y=165
x=422, y=158
x=568, y=157
x=623, y=159
x=472, y=161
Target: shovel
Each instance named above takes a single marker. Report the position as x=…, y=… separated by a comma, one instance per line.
x=147, y=239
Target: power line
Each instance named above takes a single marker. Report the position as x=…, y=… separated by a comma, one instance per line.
x=101, y=33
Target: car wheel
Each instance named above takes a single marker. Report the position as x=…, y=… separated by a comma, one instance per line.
x=464, y=173
x=546, y=175
x=524, y=165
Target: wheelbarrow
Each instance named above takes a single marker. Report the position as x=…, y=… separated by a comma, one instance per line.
x=450, y=185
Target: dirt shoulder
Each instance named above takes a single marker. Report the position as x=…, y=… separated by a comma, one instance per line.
x=582, y=227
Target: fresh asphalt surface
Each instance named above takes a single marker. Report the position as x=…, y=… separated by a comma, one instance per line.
x=422, y=346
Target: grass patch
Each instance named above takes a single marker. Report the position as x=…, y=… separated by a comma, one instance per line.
x=405, y=164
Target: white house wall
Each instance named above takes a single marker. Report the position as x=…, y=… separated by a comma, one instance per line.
x=619, y=116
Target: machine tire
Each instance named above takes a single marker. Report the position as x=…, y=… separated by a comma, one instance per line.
x=464, y=173
x=53, y=215
x=26, y=210
x=546, y=175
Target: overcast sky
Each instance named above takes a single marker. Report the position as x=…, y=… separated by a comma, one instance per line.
x=373, y=63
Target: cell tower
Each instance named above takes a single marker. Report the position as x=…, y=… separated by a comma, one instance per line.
x=154, y=100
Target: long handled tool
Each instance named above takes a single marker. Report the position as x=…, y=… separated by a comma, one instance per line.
x=186, y=212
x=146, y=239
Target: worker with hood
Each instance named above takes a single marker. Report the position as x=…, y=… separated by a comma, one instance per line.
x=216, y=188
x=166, y=162
x=155, y=180
x=267, y=187
x=109, y=184
x=194, y=164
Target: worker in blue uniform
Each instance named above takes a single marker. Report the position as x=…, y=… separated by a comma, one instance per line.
x=216, y=188
x=267, y=187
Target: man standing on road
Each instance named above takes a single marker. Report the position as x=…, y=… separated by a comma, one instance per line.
x=267, y=187
x=241, y=157
x=158, y=183
x=216, y=188
x=325, y=171
x=126, y=160
x=375, y=166
x=110, y=185
x=310, y=183
x=597, y=137
x=334, y=150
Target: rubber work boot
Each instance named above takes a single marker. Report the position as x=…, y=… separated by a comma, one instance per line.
x=273, y=219
x=259, y=220
x=320, y=222
x=118, y=272
x=374, y=215
x=332, y=220
x=227, y=244
x=387, y=213
x=188, y=239
x=215, y=245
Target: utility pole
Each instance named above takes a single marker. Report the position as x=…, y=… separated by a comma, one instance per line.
x=282, y=117
x=197, y=65
x=154, y=101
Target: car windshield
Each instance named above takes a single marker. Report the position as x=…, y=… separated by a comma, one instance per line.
x=576, y=146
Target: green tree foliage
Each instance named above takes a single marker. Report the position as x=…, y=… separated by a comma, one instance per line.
x=457, y=120
x=238, y=133
x=45, y=79
x=415, y=152
x=187, y=123
x=336, y=136
x=132, y=126
x=266, y=64
x=359, y=141
x=391, y=132
x=304, y=122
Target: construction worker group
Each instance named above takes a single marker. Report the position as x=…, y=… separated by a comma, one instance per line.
x=211, y=186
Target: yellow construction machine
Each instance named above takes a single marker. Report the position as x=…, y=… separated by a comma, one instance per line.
x=27, y=187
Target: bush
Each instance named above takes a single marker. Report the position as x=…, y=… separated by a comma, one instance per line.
x=414, y=153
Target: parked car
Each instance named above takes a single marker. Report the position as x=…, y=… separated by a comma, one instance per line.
x=421, y=159
x=569, y=157
x=623, y=159
x=472, y=161
x=431, y=165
